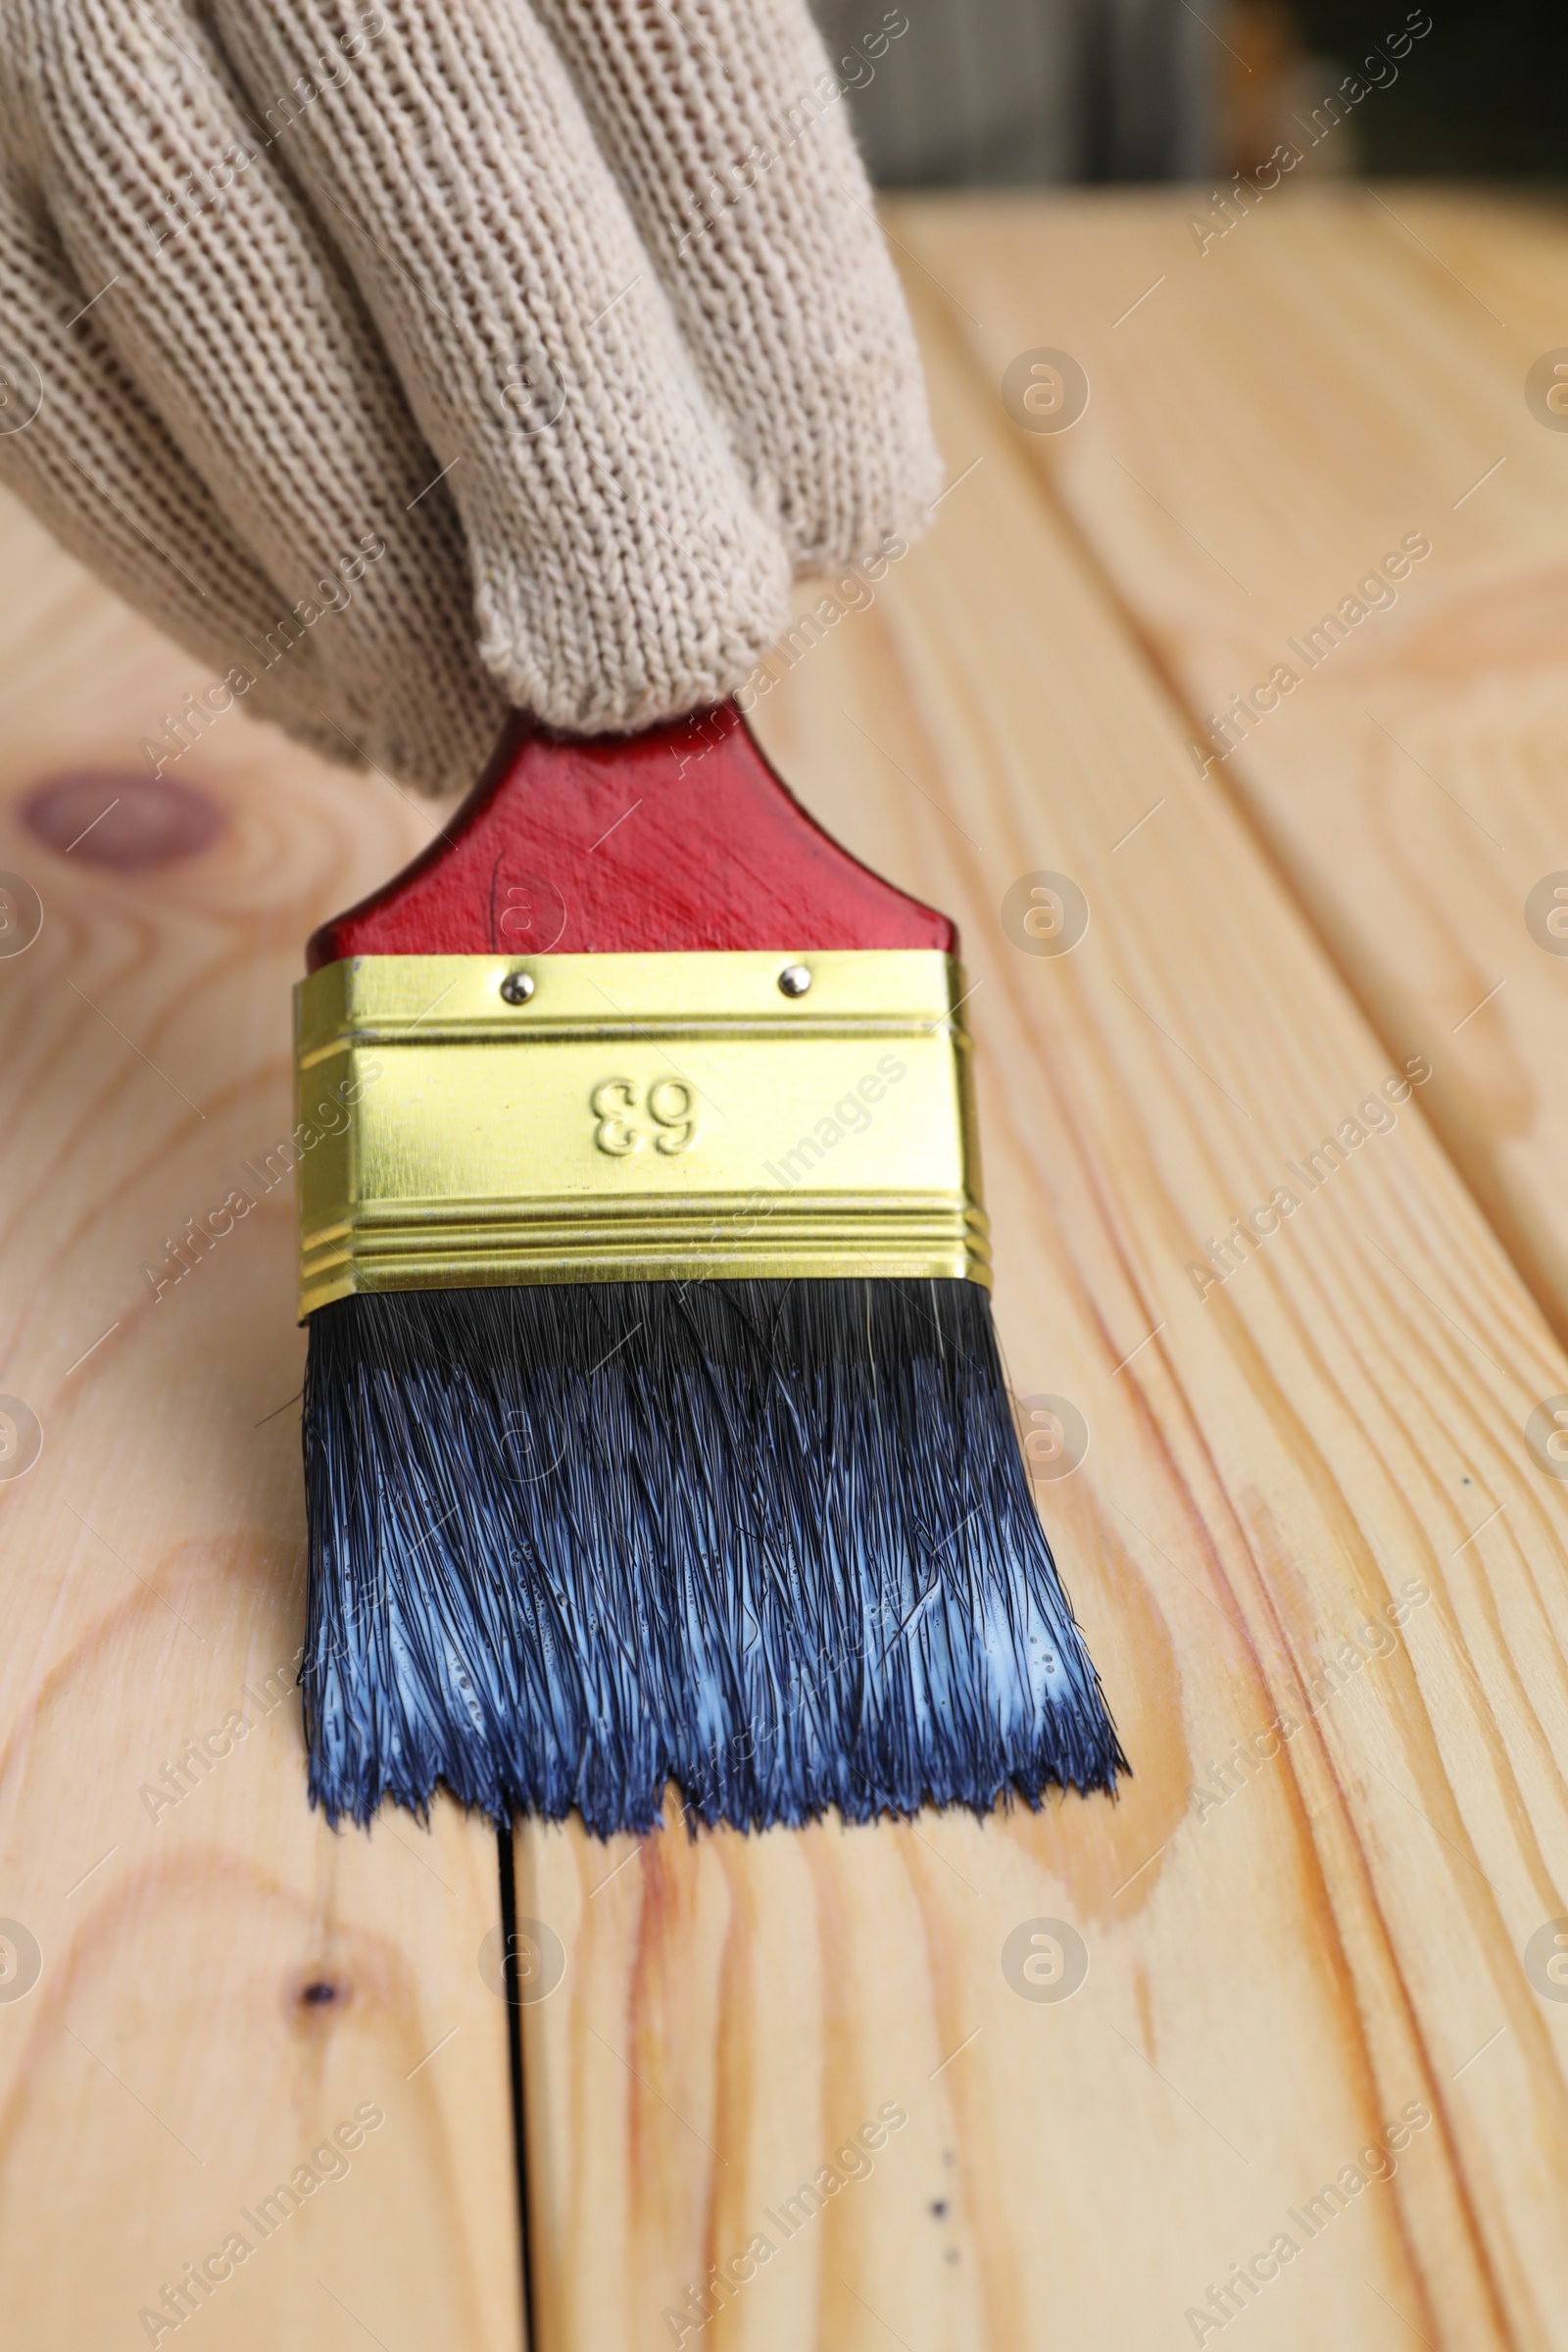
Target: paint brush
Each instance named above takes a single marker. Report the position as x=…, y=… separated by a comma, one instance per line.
x=655, y=1426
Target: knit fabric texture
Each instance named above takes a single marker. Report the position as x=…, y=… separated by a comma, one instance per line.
x=411, y=362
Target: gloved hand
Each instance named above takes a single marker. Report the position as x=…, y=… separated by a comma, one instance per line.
x=407, y=362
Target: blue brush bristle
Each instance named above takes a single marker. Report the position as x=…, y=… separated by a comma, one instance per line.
x=770, y=1542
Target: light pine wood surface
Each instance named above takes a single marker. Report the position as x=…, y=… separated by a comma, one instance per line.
x=224, y=1980
x=1292, y=1945
x=1284, y=1960
x=1344, y=367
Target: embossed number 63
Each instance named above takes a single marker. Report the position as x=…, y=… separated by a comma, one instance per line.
x=670, y=1105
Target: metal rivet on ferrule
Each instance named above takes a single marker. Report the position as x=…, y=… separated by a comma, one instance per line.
x=793, y=980
x=517, y=987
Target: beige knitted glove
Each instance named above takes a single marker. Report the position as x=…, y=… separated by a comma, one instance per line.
x=410, y=361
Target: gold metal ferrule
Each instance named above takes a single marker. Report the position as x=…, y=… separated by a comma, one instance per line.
x=633, y=1117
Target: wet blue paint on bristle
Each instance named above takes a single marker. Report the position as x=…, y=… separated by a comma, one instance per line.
x=773, y=1542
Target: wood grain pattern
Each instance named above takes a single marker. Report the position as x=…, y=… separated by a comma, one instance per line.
x=1287, y=1951
x=222, y=1981
x=1343, y=369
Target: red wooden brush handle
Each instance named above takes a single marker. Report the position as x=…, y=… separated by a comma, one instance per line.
x=681, y=837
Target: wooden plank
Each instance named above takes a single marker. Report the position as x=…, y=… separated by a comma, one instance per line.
x=1274, y=415
x=222, y=1982
x=1292, y=1945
